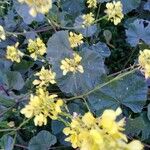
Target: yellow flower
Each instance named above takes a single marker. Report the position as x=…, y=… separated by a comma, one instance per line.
x=2, y=33
x=73, y=138
x=114, y=12
x=144, y=61
x=108, y=122
x=96, y=136
x=92, y=3
x=86, y=140
x=11, y=124
x=75, y=39
x=41, y=106
x=36, y=48
x=40, y=120
x=13, y=53
x=38, y=6
x=88, y=19
x=135, y=145
x=88, y=119
x=72, y=65
x=45, y=77
x=28, y=111
x=58, y=105
x=89, y=133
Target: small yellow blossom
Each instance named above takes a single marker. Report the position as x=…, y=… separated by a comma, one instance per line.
x=88, y=19
x=46, y=77
x=41, y=106
x=11, y=124
x=72, y=65
x=135, y=145
x=89, y=133
x=28, y=111
x=144, y=61
x=88, y=119
x=114, y=11
x=108, y=122
x=36, y=48
x=2, y=33
x=92, y=3
x=38, y=6
x=75, y=39
x=13, y=53
x=40, y=120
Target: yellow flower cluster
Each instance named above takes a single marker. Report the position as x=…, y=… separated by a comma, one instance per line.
x=72, y=64
x=114, y=12
x=88, y=19
x=75, y=39
x=45, y=77
x=38, y=6
x=13, y=53
x=92, y=3
x=144, y=61
x=2, y=33
x=103, y=133
x=36, y=48
x=41, y=106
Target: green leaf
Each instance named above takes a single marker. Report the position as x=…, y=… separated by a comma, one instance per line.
x=59, y=49
x=42, y=141
x=14, y=80
x=77, y=106
x=100, y=48
x=57, y=127
x=23, y=66
x=4, y=64
x=138, y=30
x=11, y=79
x=3, y=124
x=134, y=126
x=6, y=101
x=129, y=5
x=87, y=31
x=130, y=91
x=92, y=62
x=74, y=7
x=23, y=11
x=147, y=6
x=148, y=111
x=139, y=126
x=58, y=46
x=6, y=142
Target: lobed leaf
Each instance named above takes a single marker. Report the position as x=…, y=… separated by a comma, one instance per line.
x=87, y=31
x=138, y=30
x=139, y=125
x=59, y=49
x=42, y=141
x=130, y=91
x=129, y=5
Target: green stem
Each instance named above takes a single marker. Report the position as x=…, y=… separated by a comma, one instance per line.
x=86, y=104
x=22, y=124
x=63, y=121
x=97, y=20
x=16, y=129
x=41, y=60
x=7, y=130
x=14, y=141
x=67, y=115
x=99, y=7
